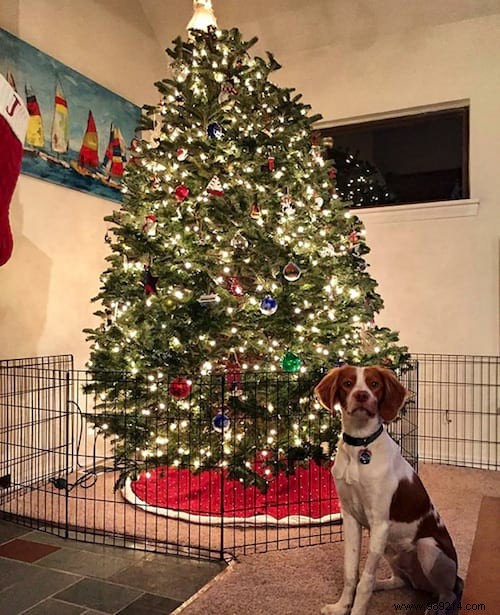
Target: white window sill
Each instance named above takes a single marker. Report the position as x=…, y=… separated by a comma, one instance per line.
x=418, y=211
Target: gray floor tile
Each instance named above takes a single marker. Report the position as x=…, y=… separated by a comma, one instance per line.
x=148, y=604
x=8, y=531
x=55, y=607
x=99, y=595
x=172, y=577
x=12, y=571
x=84, y=563
x=25, y=585
x=81, y=545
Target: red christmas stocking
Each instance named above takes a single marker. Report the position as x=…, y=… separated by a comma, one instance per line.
x=13, y=122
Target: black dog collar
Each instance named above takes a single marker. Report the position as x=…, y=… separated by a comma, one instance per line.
x=362, y=441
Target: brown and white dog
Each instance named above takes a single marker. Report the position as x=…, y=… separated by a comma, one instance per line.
x=380, y=491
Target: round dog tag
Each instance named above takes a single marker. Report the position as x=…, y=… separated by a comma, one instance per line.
x=365, y=456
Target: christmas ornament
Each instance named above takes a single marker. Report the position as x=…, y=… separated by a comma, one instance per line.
x=221, y=422
x=333, y=172
x=239, y=242
x=268, y=306
x=149, y=282
x=180, y=388
x=291, y=272
x=270, y=163
x=227, y=91
x=214, y=131
x=182, y=154
x=180, y=70
x=316, y=156
x=319, y=202
x=288, y=205
x=353, y=237
x=149, y=226
x=365, y=456
x=211, y=298
x=235, y=287
x=107, y=237
x=215, y=187
x=291, y=363
x=255, y=212
x=233, y=375
x=135, y=148
x=181, y=193
x=155, y=182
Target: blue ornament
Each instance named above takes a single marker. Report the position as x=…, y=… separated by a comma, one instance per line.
x=268, y=306
x=365, y=456
x=214, y=131
x=221, y=422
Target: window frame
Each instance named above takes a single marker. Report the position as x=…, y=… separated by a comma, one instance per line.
x=416, y=115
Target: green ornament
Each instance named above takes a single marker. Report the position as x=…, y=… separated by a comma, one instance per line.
x=291, y=363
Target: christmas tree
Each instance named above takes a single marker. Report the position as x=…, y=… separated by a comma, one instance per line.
x=359, y=182
x=232, y=261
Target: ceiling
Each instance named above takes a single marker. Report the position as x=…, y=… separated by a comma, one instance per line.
x=291, y=26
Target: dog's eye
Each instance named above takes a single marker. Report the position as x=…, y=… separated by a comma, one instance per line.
x=348, y=383
x=374, y=384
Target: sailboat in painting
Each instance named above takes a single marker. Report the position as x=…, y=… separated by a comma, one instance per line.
x=34, y=134
x=10, y=80
x=88, y=158
x=114, y=159
x=60, y=129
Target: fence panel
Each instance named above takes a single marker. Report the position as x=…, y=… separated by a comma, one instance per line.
x=59, y=473
x=458, y=410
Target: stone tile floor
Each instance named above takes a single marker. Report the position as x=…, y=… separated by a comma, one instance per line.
x=42, y=574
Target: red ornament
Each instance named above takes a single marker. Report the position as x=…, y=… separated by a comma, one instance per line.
x=270, y=163
x=255, y=212
x=235, y=287
x=182, y=154
x=134, y=148
x=332, y=173
x=353, y=237
x=149, y=281
x=181, y=192
x=180, y=388
x=149, y=226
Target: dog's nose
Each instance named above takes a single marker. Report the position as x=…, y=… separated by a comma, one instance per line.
x=361, y=396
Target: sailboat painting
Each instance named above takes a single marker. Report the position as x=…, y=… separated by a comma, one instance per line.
x=79, y=132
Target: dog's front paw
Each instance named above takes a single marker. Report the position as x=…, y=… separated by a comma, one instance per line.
x=335, y=609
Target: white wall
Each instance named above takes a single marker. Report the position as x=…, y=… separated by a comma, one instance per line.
x=438, y=276
x=58, y=233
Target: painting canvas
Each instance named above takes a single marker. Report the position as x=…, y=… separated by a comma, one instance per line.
x=79, y=133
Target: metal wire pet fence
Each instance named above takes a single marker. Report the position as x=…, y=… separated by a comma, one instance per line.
x=56, y=475
x=459, y=410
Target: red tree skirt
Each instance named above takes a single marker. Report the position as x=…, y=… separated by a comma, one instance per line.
x=307, y=497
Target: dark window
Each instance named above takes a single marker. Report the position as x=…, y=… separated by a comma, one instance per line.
x=409, y=159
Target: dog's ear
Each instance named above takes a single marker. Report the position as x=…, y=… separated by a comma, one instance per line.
x=395, y=395
x=326, y=390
